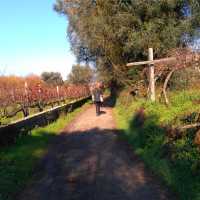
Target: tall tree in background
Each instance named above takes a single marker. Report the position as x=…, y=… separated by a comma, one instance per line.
x=52, y=78
x=114, y=32
x=80, y=75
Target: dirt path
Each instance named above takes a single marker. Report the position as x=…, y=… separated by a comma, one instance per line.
x=89, y=162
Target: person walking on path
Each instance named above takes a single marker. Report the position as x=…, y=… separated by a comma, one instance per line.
x=97, y=97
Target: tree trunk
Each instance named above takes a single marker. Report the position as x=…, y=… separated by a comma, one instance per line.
x=165, y=86
x=40, y=106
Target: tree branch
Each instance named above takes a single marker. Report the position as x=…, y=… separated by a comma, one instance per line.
x=165, y=85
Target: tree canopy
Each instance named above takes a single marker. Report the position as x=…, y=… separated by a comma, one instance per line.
x=80, y=75
x=114, y=32
x=52, y=78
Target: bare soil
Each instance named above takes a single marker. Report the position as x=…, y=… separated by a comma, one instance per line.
x=89, y=161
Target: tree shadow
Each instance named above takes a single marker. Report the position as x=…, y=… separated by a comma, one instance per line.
x=146, y=128
x=110, y=101
x=95, y=164
x=159, y=145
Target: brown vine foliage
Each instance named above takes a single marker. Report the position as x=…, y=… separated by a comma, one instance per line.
x=29, y=91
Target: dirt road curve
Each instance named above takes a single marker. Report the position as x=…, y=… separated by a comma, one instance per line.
x=89, y=162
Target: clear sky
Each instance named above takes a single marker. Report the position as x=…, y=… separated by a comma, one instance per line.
x=33, y=38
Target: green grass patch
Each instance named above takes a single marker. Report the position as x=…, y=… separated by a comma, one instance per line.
x=177, y=162
x=18, y=161
x=32, y=111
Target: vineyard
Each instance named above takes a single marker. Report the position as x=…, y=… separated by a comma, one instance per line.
x=21, y=97
x=124, y=123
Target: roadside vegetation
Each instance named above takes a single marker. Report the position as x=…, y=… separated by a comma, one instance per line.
x=24, y=96
x=17, y=162
x=6, y=120
x=154, y=131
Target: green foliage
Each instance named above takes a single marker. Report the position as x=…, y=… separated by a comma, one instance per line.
x=112, y=33
x=52, y=78
x=80, y=75
x=176, y=161
x=17, y=162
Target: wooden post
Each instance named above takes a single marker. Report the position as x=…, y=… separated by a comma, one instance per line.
x=58, y=93
x=26, y=89
x=26, y=101
x=151, y=77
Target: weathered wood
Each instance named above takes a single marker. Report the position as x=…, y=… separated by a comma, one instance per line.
x=165, y=85
x=189, y=126
x=151, y=77
x=163, y=60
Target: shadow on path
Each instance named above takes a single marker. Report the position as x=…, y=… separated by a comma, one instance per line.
x=92, y=165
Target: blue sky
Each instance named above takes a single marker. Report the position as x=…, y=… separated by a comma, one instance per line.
x=33, y=38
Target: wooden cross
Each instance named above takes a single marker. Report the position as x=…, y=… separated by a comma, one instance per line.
x=151, y=62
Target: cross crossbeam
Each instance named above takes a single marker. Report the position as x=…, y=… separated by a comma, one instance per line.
x=152, y=62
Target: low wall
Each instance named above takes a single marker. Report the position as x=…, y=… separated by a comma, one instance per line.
x=9, y=133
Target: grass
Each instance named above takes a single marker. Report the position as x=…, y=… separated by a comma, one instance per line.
x=177, y=162
x=18, y=161
x=19, y=115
